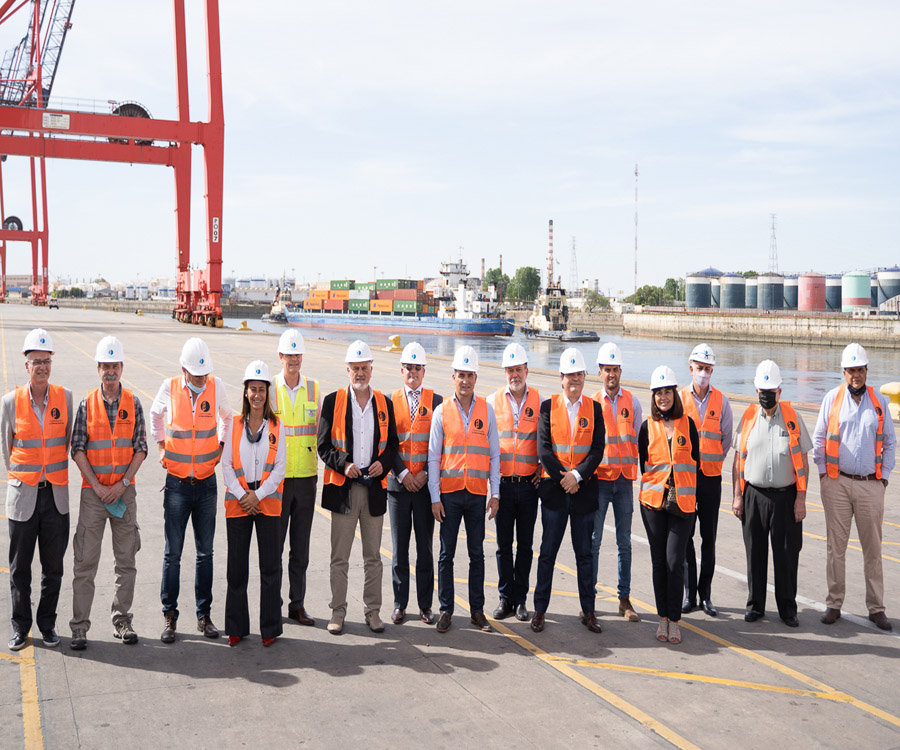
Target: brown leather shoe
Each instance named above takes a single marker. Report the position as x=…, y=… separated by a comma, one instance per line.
x=300, y=616
x=589, y=620
x=426, y=616
x=398, y=616
x=831, y=616
x=443, y=623
x=205, y=626
x=881, y=620
x=627, y=611
x=168, y=634
x=480, y=622
x=537, y=622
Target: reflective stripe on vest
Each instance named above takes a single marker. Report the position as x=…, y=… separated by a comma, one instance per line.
x=518, y=445
x=413, y=435
x=833, y=433
x=793, y=428
x=298, y=425
x=570, y=452
x=109, y=452
x=36, y=451
x=339, y=433
x=620, y=457
x=466, y=455
x=663, y=460
x=711, y=455
x=191, y=448
x=269, y=505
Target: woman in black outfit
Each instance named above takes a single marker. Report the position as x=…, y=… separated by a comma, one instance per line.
x=669, y=451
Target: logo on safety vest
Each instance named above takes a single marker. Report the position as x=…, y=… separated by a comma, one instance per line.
x=423, y=410
x=582, y=422
x=529, y=412
x=712, y=412
x=791, y=426
x=478, y=424
x=681, y=440
x=54, y=412
x=272, y=438
x=878, y=410
x=625, y=412
x=204, y=406
x=123, y=414
x=382, y=416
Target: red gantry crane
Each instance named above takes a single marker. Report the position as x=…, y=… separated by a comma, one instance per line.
x=30, y=127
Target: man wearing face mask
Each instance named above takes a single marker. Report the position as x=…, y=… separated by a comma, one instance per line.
x=854, y=452
x=711, y=412
x=769, y=474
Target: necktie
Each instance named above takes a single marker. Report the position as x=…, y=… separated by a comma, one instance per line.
x=413, y=404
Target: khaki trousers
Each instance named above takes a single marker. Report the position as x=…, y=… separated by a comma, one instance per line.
x=845, y=499
x=343, y=529
x=126, y=541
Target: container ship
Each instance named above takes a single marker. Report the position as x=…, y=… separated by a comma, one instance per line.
x=453, y=305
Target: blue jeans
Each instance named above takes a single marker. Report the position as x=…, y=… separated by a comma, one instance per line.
x=619, y=492
x=197, y=502
x=459, y=507
x=412, y=510
x=517, y=513
x=554, y=523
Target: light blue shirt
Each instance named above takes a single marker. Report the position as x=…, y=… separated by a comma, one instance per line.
x=726, y=420
x=857, y=427
x=436, y=447
x=637, y=417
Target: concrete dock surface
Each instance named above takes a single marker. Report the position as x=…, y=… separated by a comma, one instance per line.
x=729, y=684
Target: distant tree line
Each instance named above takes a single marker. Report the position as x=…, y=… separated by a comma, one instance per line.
x=524, y=285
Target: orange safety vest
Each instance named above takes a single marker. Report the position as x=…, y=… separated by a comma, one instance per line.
x=109, y=452
x=663, y=460
x=790, y=421
x=621, y=454
x=339, y=433
x=191, y=448
x=269, y=505
x=570, y=451
x=413, y=434
x=711, y=454
x=466, y=455
x=37, y=451
x=833, y=433
x=518, y=445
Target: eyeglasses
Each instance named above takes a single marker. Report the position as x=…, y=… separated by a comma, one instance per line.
x=39, y=362
x=415, y=368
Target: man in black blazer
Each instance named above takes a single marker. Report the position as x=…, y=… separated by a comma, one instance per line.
x=569, y=488
x=357, y=441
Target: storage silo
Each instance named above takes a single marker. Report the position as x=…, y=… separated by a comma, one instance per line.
x=856, y=290
x=791, y=292
x=770, y=292
x=873, y=290
x=733, y=291
x=750, y=293
x=833, y=292
x=715, y=292
x=811, y=292
x=888, y=284
x=696, y=290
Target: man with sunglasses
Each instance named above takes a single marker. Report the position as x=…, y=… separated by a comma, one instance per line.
x=35, y=430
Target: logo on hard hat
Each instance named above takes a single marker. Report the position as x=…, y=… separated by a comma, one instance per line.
x=572, y=361
x=123, y=414
x=201, y=360
x=466, y=360
x=44, y=341
x=413, y=356
x=204, y=406
x=512, y=355
x=765, y=377
x=258, y=371
x=612, y=355
x=359, y=352
x=681, y=440
x=111, y=352
x=293, y=345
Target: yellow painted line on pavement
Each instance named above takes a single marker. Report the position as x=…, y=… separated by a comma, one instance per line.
x=852, y=546
x=31, y=706
x=4, y=570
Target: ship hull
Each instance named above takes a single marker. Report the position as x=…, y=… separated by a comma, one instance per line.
x=405, y=324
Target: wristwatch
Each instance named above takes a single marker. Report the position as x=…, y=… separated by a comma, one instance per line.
x=126, y=481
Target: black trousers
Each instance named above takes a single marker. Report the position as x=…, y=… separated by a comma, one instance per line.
x=412, y=511
x=516, y=517
x=709, y=498
x=769, y=515
x=298, y=505
x=268, y=538
x=668, y=537
x=49, y=529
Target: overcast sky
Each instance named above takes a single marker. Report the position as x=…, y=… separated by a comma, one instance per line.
x=390, y=135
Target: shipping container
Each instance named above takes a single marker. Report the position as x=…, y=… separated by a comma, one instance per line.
x=313, y=304
x=370, y=285
x=385, y=294
x=358, y=294
x=407, y=306
x=358, y=305
x=379, y=305
x=339, y=294
x=320, y=294
x=335, y=305
x=341, y=284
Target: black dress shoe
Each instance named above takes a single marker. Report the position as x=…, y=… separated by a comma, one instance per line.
x=426, y=616
x=687, y=606
x=504, y=609
x=791, y=621
x=537, y=622
x=522, y=613
x=589, y=620
x=51, y=639
x=710, y=608
x=443, y=623
x=17, y=642
x=398, y=616
x=480, y=622
x=751, y=616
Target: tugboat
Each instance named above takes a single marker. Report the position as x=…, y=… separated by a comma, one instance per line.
x=280, y=305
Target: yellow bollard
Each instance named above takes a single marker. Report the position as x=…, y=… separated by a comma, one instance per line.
x=138, y=312
x=395, y=344
x=892, y=391
x=243, y=326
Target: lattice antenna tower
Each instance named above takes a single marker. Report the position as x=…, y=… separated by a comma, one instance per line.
x=635, y=225
x=550, y=256
x=573, y=270
x=773, y=248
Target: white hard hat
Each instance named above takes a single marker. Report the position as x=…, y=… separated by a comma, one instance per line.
x=110, y=349
x=854, y=356
x=413, y=354
x=358, y=351
x=609, y=354
x=514, y=355
x=465, y=359
x=703, y=353
x=37, y=340
x=257, y=370
x=291, y=342
x=571, y=360
x=768, y=376
x=195, y=357
x=663, y=377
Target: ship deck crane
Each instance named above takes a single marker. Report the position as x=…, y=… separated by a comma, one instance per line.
x=30, y=127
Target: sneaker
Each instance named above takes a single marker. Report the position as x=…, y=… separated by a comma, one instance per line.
x=125, y=632
x=79, y=639
x=18, y=640
x=51, y=639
